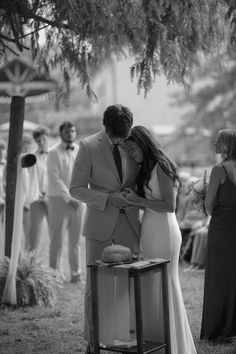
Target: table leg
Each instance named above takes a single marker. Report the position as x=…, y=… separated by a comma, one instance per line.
x=95, y=320
x=138, y=313
x=166, y=315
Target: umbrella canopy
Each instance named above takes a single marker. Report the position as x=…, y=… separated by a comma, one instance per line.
x=27, y=125
x=18, y=78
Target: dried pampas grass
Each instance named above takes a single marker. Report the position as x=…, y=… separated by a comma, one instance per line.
x=36, y=284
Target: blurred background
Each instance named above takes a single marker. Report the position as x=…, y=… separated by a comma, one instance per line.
x=185, y=121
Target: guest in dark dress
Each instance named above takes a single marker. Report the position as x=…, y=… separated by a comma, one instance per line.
x=219, y=307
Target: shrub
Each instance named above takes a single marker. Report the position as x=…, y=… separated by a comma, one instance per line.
x=36, y=284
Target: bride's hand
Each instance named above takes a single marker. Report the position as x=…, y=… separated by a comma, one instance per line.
x=130, y=195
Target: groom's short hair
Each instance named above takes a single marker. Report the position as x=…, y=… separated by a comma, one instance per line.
x=118, y=120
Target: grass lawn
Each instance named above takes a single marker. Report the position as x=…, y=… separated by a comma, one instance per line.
x=58, y=329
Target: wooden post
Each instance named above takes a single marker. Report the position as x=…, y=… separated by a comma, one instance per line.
x=14, y=150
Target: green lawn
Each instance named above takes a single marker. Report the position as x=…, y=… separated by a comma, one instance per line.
x=192, y=288
x=58, y=329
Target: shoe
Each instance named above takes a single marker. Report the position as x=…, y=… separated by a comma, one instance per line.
x=190, y=268
x=76, y=278
x=200, y=269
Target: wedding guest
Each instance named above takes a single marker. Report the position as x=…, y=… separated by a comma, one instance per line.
x=99, y=180
x=27, y=147
x=219, y=305
x=182, y=195
x=185, y=203
x=199, y=247
x=157, y=187
x=189, y=220
x=39, y=208
x=65, y=212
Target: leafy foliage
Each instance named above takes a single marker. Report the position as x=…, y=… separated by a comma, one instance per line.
x=212, y=99
x=35, y=283
x=165, y=36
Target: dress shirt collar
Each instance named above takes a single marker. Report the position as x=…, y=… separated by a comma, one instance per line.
x=66, y=147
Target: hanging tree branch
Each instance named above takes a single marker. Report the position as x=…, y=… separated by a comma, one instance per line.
x=164, y=36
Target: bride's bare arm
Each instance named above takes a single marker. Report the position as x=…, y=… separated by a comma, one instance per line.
x=168, y=193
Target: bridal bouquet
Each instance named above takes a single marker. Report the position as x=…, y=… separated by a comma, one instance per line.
x=198, y=192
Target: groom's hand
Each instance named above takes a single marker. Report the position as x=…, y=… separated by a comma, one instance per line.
x=130, y=195
x=118, y=200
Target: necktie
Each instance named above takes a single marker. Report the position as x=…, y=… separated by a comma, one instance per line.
x=69, y=147
x=117, y=158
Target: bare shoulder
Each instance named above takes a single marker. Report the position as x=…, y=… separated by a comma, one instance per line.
x=161, y=174
x=218, y=168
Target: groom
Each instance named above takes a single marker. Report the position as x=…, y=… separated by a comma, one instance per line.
x=101, y=172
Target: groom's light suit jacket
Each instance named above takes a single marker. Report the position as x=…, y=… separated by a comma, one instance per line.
x=95, y=176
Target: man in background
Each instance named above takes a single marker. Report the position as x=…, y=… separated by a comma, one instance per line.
x=39, y=208
x=65, y=212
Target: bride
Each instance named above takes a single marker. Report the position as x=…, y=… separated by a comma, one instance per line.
x=157, y=188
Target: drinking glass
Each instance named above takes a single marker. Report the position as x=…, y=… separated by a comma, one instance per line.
x=137, y=252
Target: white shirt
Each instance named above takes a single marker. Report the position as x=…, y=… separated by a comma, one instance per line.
x=60, y=166
x=42, y=171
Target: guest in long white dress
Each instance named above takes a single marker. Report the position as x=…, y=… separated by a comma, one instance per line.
x=157, y=188
x=30, y=187
x=39, y=207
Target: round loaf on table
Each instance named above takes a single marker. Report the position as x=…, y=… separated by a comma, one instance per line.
x=116, y=253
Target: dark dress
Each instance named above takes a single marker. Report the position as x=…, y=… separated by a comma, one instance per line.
x=219, y=306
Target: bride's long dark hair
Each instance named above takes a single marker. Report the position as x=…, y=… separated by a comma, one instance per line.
x=152, y=154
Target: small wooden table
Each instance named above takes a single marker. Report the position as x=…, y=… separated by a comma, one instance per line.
x=136, y=270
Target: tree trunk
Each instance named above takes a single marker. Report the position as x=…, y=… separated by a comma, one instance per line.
x=14, y=150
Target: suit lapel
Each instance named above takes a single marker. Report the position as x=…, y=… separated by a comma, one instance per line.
x=106, y=151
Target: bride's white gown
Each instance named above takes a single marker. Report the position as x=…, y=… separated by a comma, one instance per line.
x=161, y=238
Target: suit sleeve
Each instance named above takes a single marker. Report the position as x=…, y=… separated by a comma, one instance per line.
x=79, y=187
